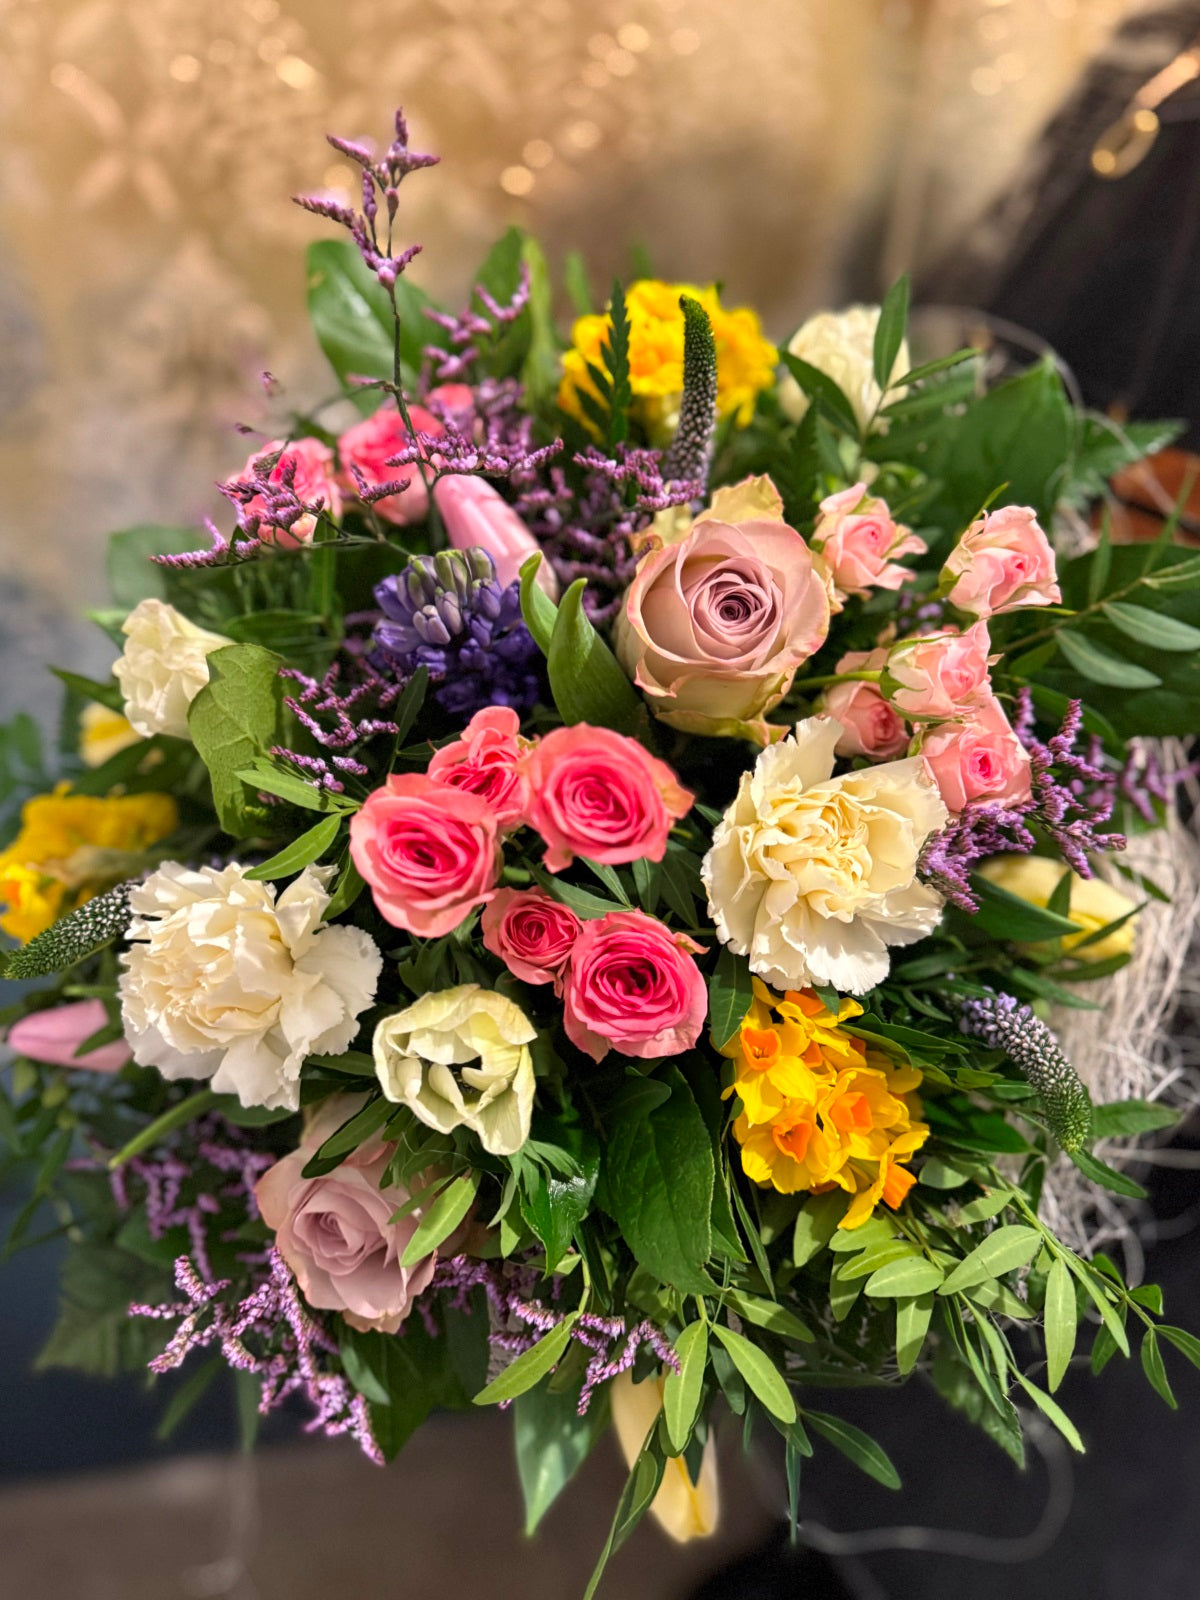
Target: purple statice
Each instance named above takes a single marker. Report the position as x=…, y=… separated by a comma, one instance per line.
x=453, y=361
x=340, y=715
x=1072, y=794
x=1144, y=784
x=589, y=533
x=271, y=1334
x=485, y=451
x=1002, y=1022
x=268, y=508
x=221, y=554
x=449, y=614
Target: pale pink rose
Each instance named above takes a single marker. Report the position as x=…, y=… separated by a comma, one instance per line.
x=978, y=757
x=430, y=852
x=475, y=516
x=861, y=543
x=369, y=445
x=633, y=986
x=335, y=1232
x=313, y=481
x=713, y=627
x=596, y=793
x=1002, y=561
x=870, y=726
x=532, y=934
x=54, y=1035
x=939, y=675
x=486, y=760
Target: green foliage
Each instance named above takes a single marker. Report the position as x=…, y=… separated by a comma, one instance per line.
x=94, y=1332
x=531, y=1366
x=889, y=330
x=856, y=1446
x=131, y=574
x=235, y=719
x=824, y=393
x=682, y=1389
x=615, y=355
x=441, y=1217
x=301, y=852
x=586, y=679
x=730, y=992
x=553, y=1441
x=352, y=318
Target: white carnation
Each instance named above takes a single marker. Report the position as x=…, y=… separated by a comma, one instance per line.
x=813, y=877
x=228, y=981
x=163, y=667
x=841, y=344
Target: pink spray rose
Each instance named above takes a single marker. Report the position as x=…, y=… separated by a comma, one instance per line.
x=486, y=761
x=870, y=726
x=978, y=757
x=861, y=543
x=939, y=675
x=1002, y=561
x=633, y=986
x=369, y=445
x=335, y=1232
x=713, y=628
x=474, y=515
x=313, y=480
x=430, y=852
x=596, y=793
x=54, y=1035
x=532, y=934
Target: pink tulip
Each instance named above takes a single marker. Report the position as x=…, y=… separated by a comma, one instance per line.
x=53, y=1036
x=476, y=517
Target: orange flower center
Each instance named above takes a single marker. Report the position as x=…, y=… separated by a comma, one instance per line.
x=760, y=1047
x=793, y=1137
x=851, y=1113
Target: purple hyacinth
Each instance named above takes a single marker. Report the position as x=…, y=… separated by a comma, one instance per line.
x=449, y=614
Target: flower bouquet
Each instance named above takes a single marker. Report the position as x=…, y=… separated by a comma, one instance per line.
x=558, y=908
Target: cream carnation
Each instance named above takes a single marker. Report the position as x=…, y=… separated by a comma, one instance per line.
x=812, y=876
x=841, y=344
x=460, y=1058
x=163, y=667
x=226, y=980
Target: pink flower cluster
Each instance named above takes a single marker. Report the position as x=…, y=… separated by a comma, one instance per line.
x=860, y=543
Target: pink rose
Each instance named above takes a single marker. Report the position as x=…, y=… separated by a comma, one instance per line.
x=870, y=727
x=599, y=794
x=486, y=761
x=860, y=543
x=370, y=444
x=713, y=628
x=457, y=401
x=978, y=757
x=430, y=852
x=532, y=934
x=938, y=675
x=476, y=517
x=313, y=481
x=54, y=1035
x=1002, y=561
x=335, y=1232
x=632, y=986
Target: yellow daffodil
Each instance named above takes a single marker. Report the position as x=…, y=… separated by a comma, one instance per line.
x=69, y=847
x=745, y=359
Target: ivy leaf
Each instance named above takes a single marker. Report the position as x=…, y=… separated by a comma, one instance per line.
x=235, y=718
x=1099, y=665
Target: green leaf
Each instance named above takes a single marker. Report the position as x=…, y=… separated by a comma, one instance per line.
x=582, y=901
x=271, y=779
x=539, y=370
x=575, y=282
x=1007, y=916
x=762, y=1377
x=186, y=1397
x=816, y=1222
x=822, y=389
x=1053, y=1411
x=235, y=718
x=889, y=330
x=615, y=351
x=912, y=1325
x=856, y=1445
x=177, y=1116
x=537, y=608
x=531, y=1366
x=930, y=369
x=560, y=1201
x=441, y=1218
x=1186, y=1343
x=1009, y=1247
x=553, y=1441
x=306, y=848
x=353, y=1132
x=1155, y=628
x=640, y=1488
x=682, y=1390
x=1107, y=1177
x=587, y=681
x=730, y=993
x=1180, y=575
x=131, y=574
x=352, y=317
x=659, y=1174
x=1099, y=665
x=902, y=1279
x=1127, y=1117
x=1061, y=1321
x=770, y=1315
x=1152, y=1366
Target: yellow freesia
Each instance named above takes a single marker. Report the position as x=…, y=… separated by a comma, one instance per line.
x=745, y=359
x=69, y=847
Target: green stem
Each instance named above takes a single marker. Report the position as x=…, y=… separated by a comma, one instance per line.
x=182, y=1112
x=838, y=677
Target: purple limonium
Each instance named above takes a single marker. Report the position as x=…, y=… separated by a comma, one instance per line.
x=454, y=362
x=448, y=613
x=221, y=554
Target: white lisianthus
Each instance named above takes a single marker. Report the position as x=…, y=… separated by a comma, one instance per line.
x=460, y=1058
x=163, y=667
x=813, y=877
x=224, y=979
x=841, y=344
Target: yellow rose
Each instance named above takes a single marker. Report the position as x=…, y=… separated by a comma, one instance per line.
x=1094, y=903
x=682, y=1509
x=841, y=344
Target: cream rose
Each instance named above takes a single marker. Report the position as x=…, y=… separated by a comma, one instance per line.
x=841, y=344
x=460, y=1058
x=163, y=667
x=1094, y=903
x=228, y=981
x=813, y=877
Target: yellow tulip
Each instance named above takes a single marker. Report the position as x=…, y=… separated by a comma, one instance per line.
x=1094, y=903
x=683, y=1509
